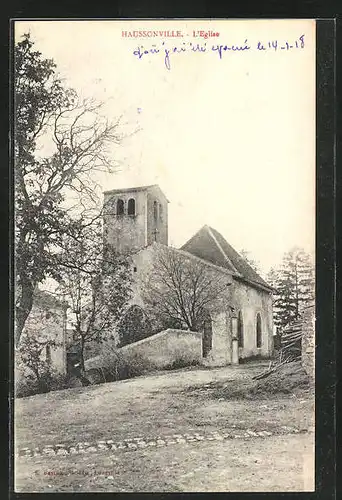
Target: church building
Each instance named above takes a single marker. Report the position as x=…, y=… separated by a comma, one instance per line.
x=136, y=222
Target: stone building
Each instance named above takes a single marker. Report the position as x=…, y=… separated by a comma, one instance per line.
x=47, y=321
x=241, y=326
x=136, y=217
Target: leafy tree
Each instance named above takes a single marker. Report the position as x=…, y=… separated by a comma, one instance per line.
x=96, y=282
x=40, y=337
x=294, y=285
x=178, y=289
x=134, y=326
x=31, y=356
x=50, y=118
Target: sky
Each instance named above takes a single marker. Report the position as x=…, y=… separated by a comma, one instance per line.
x=230, y=139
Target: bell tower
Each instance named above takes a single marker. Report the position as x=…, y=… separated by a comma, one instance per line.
x=134, y=218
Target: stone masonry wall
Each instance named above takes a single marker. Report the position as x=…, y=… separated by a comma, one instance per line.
x=125, y=232
x=45, y=324
x=251, y=301
x=165, y=347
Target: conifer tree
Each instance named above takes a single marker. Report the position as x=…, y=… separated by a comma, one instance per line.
x=294, y=285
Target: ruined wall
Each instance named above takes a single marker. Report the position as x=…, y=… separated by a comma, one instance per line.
x=46, y=322
x=308, y=340
x=251, y=301
x=165, y=347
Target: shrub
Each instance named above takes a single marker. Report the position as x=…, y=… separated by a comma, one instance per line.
x=254, y=357
x=26, y=386
x=29, y=385
x=134, y=326
x=182, y=361
x=114, y=365
x=59, y=381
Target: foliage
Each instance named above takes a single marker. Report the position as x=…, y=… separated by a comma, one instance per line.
x=30, y=356
x=180, y=288
x=115, y=364
x=294, y=285
x=26, y=386
x=182, y=361
x=290, y=378
x=50, y=381
x=134, y=326
x=50, y=118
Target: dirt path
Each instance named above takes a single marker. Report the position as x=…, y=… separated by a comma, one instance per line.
x=157, y=407
x=157, y=404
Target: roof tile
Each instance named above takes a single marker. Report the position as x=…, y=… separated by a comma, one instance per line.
x=210, y=245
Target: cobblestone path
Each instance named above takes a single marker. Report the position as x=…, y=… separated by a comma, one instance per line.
x=136, y=443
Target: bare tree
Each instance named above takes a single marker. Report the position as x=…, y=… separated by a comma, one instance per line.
x=76, y=140
x=96, y=282
x=179, y=288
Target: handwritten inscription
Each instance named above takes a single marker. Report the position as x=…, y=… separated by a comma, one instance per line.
x=220, y=49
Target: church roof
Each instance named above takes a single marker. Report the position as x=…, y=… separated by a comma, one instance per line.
x=210, y=245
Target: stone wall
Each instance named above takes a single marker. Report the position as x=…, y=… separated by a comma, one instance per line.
x=221, y=352
x=308, y=340
x=45, y=322
x=132, y=232
x=165, y=347
x=251, y=301
x=125, y=232
x=161, y=224
x=242, y=297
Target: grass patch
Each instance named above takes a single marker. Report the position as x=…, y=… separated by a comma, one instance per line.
x=251, y=359
x=214, y=466
x=290, y=378
x=182, y=361
x=156, y=404
x=113, y=365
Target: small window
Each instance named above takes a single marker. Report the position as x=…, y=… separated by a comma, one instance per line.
x=135, y=269
x=120, y=207
x=160, y=212
x=131, y=207
x=155, y=211
x=258, y=330
x=240, y=329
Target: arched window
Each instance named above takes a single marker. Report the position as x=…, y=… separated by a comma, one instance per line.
x=160, y=211
x=258, y=330
x=131, y=207
x=240, y=329
x=120, y=207
x=155, y=211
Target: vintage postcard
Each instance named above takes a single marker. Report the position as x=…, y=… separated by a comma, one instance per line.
x=164, y=255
